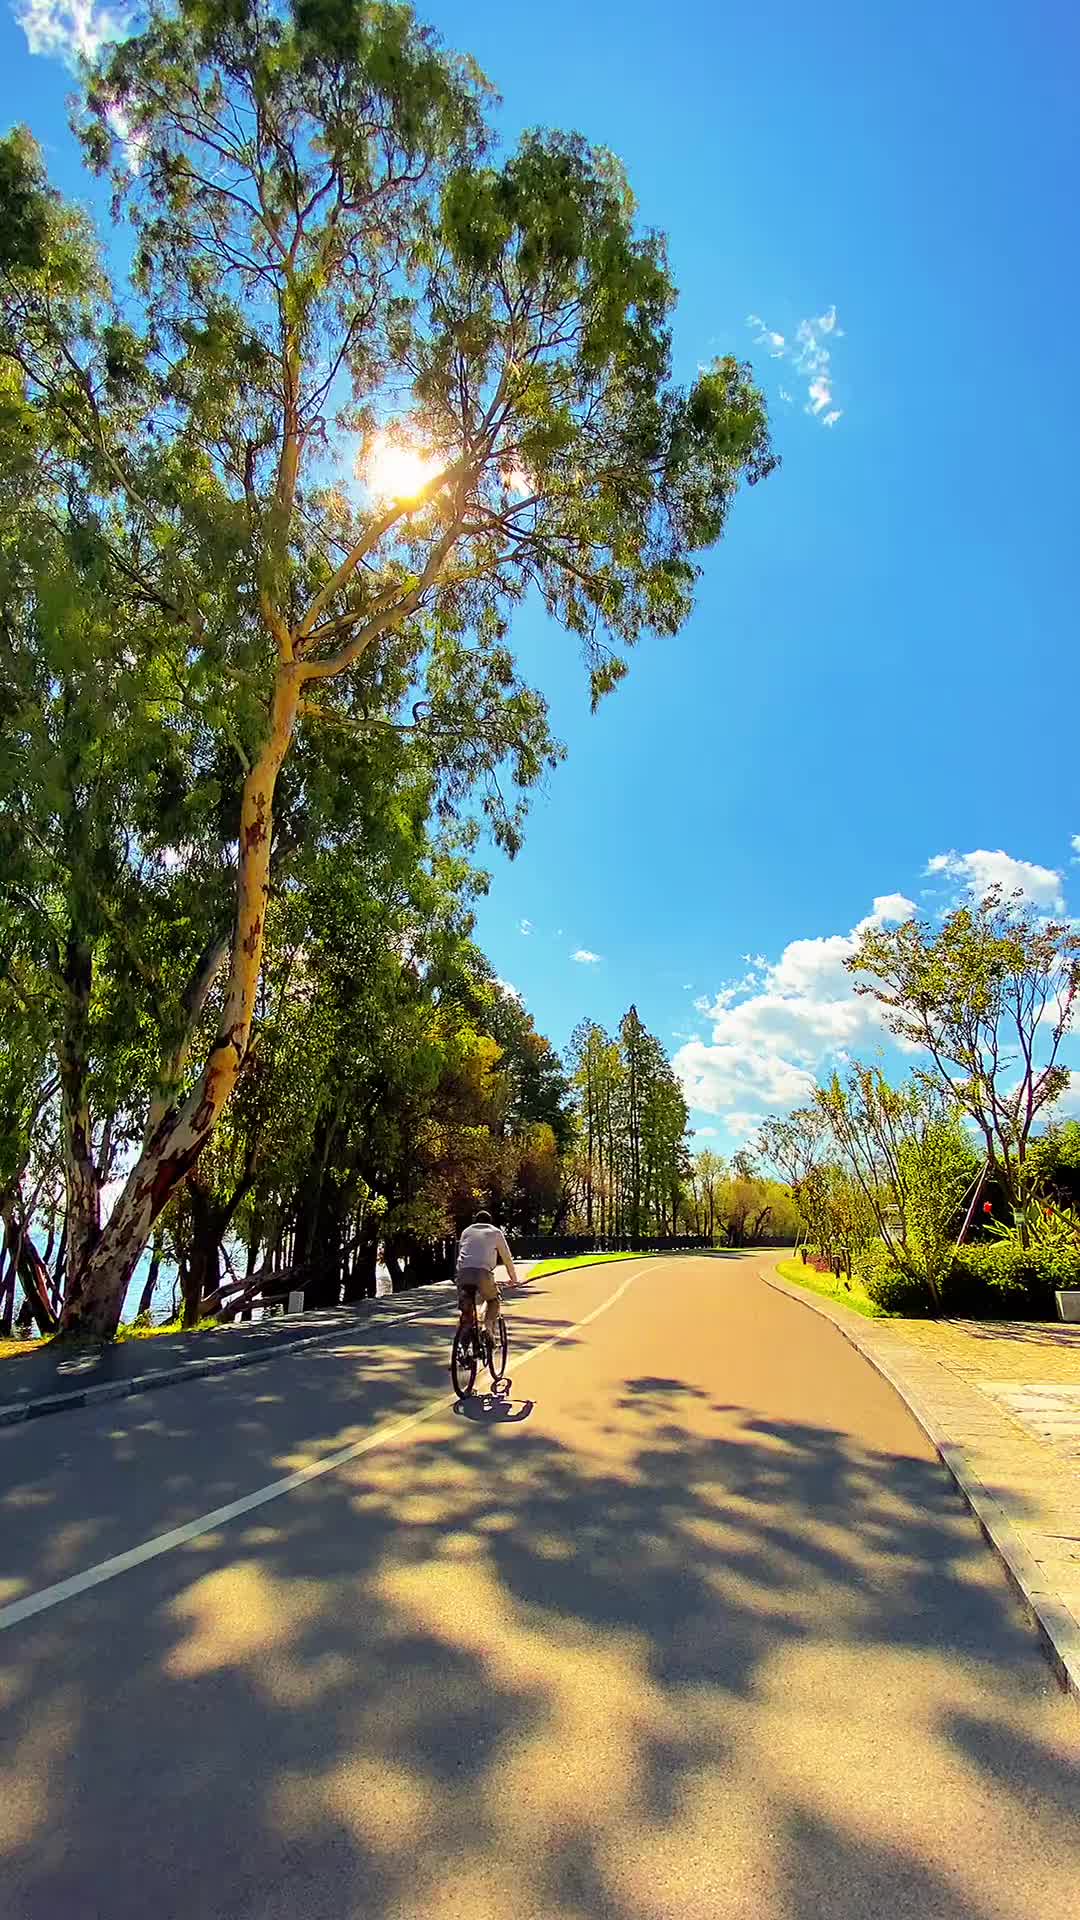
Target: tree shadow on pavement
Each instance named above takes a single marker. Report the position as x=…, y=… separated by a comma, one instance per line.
x=1024, y=1333
x=671, y=1673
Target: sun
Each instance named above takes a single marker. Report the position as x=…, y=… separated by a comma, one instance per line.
x=395, y=471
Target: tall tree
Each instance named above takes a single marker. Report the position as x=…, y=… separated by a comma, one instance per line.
x=905, y=1151
x=318, y=245
x=989, y=996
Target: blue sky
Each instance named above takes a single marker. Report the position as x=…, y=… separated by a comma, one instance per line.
x=880, y=669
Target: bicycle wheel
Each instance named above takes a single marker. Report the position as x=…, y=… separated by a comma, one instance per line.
x=497, y=1350
x=463, y=1363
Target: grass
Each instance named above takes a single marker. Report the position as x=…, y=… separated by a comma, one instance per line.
x=134, y=1330
x=10, y=1349
x=857, y=1299
x=579, y=1260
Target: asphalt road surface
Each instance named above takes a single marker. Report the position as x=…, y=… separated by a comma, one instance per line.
x=690, y=1624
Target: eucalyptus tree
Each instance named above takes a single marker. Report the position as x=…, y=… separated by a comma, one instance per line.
x=375, y=386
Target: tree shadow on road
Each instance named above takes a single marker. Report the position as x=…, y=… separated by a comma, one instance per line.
x=665, y=1672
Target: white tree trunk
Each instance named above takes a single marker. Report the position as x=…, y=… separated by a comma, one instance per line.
x=99, y=1283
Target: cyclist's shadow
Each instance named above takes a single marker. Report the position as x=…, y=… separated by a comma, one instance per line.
x=494, y=1407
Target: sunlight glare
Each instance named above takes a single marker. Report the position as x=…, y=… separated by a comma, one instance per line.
x=397, y=472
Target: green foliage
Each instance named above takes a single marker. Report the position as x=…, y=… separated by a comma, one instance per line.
x=908, y=1157
x=1053, y=1162
x=201, y=603
x=938, y=1169
x=630, y=1158
x=1006, y=1279
x=849, y=1294
x=887, y=1283
x=989, y=996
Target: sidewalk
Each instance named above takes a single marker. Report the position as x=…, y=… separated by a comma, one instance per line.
x=55, y=1378
x=1000, y=1400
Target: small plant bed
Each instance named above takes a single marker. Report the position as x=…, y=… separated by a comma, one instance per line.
x=850, y=1294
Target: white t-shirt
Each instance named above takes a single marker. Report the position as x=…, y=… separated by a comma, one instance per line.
x=483, y=1245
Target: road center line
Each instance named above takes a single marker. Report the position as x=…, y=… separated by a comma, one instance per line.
x=118, y=1563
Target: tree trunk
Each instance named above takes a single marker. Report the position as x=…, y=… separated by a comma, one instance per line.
x=28, y=1264
x=81, y=1174
x=99, y=1280
x=360, y=1279
x=147, y=1294
x=7, y=1295
x=202, y=1277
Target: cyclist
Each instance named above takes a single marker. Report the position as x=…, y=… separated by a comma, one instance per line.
x=480, y=1250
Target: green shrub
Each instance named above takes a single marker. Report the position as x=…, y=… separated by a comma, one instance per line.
x=1000, y=1279
x=888, y=1286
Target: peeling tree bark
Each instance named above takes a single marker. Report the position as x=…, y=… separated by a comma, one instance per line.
x=26, y=1261
x=98, y=1285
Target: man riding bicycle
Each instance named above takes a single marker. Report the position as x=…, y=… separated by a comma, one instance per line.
x=480, y=1250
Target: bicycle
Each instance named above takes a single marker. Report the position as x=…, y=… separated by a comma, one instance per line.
x=473, y=1347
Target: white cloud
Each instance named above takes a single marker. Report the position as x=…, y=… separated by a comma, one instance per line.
x=586, y=959
x=525, y=927
x=706, y=1133
x=76, y=30
x=977, y=872
x=773, y=1031
x=510, y=992
x=891, y=908
x=70, y=30
x=810, y=356
x=1076, y=846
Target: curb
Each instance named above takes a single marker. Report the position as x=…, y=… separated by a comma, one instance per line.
x=14, y=1415
x=16, y=1412
x=1059, y=1635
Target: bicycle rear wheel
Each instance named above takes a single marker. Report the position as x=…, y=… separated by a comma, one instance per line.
x=497, y=1350
x=463, y=1363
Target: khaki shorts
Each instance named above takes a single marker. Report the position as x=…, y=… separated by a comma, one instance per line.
x=476, y=1280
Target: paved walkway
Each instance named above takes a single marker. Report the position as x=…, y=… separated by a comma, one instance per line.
x=50, y=1378
x=1001, y=1401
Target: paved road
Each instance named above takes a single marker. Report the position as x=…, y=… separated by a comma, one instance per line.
x=695, y=1627
x=44, y=1368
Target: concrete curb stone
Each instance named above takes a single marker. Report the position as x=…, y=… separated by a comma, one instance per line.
x=210, y=1368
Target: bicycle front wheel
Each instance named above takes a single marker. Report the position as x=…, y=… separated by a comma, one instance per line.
x=497, y=1350
x=463, y=1364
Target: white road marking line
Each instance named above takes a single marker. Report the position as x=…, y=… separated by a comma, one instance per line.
x=54, y=1596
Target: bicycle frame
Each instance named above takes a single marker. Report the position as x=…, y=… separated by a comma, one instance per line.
x=470, y=1320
